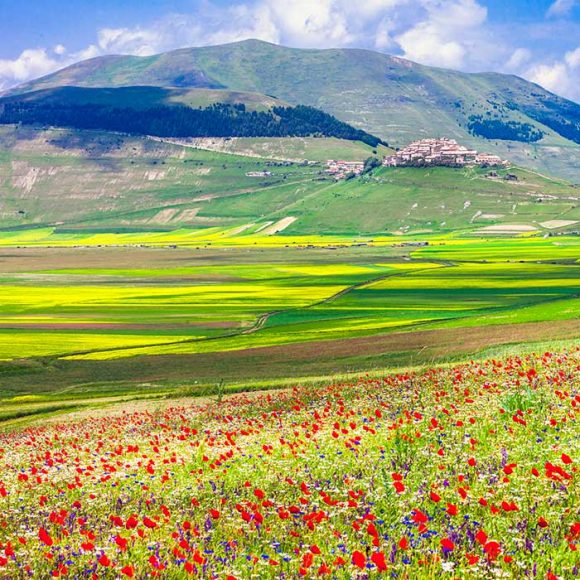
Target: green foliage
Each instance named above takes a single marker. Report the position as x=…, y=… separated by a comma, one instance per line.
x=216, y=120
x=522, y=400
x=370, y=164
x=504, y=130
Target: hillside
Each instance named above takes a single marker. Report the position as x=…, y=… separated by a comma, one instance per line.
x=396, y=99
x=90, y=179
x=144, y=97
x=174, y=113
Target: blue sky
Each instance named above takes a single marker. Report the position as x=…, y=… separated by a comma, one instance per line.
x=536, y=39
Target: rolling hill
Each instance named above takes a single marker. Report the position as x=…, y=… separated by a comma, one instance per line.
x=393, y=98
x=100, y=181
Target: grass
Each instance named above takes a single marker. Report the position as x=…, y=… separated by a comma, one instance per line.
x=295, y=148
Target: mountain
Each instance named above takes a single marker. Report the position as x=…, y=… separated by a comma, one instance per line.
x=391, y=97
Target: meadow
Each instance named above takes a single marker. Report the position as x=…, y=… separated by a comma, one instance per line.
x=465, y=471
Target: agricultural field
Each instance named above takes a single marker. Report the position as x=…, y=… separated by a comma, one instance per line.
x=81, y=323
x=465, y=471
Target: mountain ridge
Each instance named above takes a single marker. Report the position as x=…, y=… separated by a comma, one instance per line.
x=393, y=98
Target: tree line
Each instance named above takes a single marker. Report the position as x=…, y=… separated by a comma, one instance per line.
x=217, y=120
x=503, y=130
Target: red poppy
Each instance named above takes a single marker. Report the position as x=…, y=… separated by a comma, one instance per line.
x=447, y=545
x=378, y=559
x=44, y=537
x=492, y=549
x=358, y=559
x=451, y=509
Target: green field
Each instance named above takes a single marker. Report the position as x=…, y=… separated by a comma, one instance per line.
x=133, y=267
x=98, y=323
x=94, y=182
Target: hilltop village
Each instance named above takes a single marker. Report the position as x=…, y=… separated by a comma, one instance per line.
x=424, y=153
x=441, y=152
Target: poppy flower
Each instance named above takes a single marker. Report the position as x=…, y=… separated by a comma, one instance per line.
x=45, y=537
x=378, y=559
x=447, y=545
x=359, y=559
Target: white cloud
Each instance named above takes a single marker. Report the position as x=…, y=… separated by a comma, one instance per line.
x=445, y=37
x=561, y=8
x=383, y=36
x=425, y=44
x=519, y=57
x=32, y=62
x=572, y=58
x=310, y=24
x=560, y=77
x=140, y=42
x=550, y=76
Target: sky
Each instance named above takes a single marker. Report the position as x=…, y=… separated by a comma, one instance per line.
x=535, y=39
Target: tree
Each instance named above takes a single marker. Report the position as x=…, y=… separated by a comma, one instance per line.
x=370, y=164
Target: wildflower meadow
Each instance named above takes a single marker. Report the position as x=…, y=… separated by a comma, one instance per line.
x=468, y=471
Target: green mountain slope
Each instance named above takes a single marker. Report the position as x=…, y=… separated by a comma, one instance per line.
x=394, y=98
x=174, y=113
x=95, y=181
x=144, y=97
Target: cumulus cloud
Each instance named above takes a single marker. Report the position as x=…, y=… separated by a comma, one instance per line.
x=572, y=58
x=32, y=62
x=448, y=34
x=140, y=42
x=518, y=58
x=561, y=76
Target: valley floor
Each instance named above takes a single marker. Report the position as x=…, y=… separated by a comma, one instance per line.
x=85, y=326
